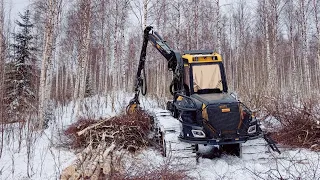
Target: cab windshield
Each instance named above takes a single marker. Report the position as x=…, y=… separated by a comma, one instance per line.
x=207, y=77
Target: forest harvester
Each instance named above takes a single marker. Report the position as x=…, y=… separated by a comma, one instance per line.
x=205, y=112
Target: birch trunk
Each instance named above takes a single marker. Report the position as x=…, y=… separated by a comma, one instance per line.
x=113, y=44
x=145, y=13
x=108, y=63
x=100, y=68
x=46, y=58
x=122, y=60
x=196, y=24
x=273, y=63
x=218, y=27
x=270, y=69
x=84, y=52
x=293, y=66
x=84, y=63
x=305, y=61
x=318, y=53
x=316, y=6
x=76, y=84
x=2, y=73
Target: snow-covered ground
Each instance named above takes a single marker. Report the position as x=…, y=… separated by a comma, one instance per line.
x=256, y=163
x=48, y=160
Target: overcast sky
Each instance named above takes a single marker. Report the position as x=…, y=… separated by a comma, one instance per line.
x=16, y=6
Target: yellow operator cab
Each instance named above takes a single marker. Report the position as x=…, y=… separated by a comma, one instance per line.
x=204, y=72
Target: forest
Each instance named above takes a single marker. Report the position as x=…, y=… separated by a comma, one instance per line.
x=81, y=48
x=60, y=51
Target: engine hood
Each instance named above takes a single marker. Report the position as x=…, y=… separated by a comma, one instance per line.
x=214, y=98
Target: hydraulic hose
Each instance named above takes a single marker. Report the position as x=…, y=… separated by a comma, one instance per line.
x=144, y=83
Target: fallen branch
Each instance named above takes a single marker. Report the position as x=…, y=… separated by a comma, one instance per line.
x=98, y=140
x=89, y=127
x=299, y=123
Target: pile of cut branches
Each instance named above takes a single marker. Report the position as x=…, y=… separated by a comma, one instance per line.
x=125, y=131
x=299, y=123
x=98, y=140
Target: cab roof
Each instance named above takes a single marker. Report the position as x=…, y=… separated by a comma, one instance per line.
x=201, y=56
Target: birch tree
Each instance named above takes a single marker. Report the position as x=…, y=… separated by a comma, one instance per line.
x=263, y=44
x=303, y=21
x=316, y=5
x=53, y=8
x=2, y=73
x=84, y=47
x=145, y=13
x=83, y=18
x=270, y=21
x=291, y=28
x=218, y=27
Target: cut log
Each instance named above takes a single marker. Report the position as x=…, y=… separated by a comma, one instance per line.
x=90, y=127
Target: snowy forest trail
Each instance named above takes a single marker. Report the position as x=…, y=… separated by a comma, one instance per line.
x=258, y=161
x=48, y=159
x=62, y=61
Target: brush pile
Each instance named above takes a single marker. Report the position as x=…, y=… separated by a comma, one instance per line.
x=125, y=131
x=98, y=140
x=299, y=123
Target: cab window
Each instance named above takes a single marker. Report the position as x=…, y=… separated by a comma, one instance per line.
x=206, y=77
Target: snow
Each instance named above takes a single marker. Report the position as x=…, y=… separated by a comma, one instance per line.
x=48, y=160
x=257, y=163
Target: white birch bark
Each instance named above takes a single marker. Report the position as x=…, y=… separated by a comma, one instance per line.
x=218, y=26
x=113, y=46
x=2, y=73
x=145, y=13
x=305, y=61
x=57, y=75
x=71, y=78
x=100, y=68
x=316, y=12
x=196, y=24
x=274, y=15
x=108, y=63
x=46, y=58
x=76, y=83
x=84, y=53
x=122, y=44
x=270, y=69
x=84, y=61
x=292, y=77
x=94, y=71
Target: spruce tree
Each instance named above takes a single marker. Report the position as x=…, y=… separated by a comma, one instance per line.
x=21, y=72
x=88, y=89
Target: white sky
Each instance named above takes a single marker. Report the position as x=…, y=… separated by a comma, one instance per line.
x=15, y=6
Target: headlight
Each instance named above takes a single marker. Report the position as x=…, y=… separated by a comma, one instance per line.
x=198, y=133
x=252, y=129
